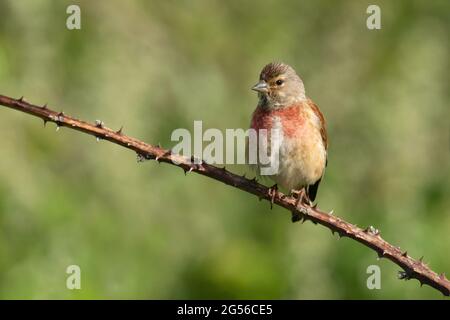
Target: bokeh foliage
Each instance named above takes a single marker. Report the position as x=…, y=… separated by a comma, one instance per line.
x=147, y=231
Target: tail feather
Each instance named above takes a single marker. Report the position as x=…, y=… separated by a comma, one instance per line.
x=311, y=190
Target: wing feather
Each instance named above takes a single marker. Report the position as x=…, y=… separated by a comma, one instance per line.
x=311, y=190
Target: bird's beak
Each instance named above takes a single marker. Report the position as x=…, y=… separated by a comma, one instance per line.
x=261, y=86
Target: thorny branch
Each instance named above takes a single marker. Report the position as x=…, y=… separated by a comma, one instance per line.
x=369, y=237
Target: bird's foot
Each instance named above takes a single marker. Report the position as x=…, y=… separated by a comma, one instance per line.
x=302, y=197
x=272, y=194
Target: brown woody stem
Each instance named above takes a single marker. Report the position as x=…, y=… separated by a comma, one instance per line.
x=369, y=237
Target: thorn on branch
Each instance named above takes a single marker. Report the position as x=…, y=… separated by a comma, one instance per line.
x=60, y=118
x=99, y=124
x=371, y=230
x=119, y=132
x=141, y=157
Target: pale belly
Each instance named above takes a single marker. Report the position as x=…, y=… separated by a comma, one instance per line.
x=301, y=164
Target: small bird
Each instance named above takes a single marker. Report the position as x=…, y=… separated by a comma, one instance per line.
x=303, y=149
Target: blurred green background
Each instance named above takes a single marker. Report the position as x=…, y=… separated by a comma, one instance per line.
x=147, y=231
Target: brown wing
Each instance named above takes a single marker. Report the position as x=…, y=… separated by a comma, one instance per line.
x=323, y=129
x=311, y=190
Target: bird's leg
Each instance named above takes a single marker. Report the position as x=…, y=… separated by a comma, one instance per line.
x=272, y=193
x=302, y=198
x=299, y=195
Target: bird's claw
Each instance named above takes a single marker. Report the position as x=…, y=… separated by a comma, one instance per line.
x=302, y=198
x=272, y=194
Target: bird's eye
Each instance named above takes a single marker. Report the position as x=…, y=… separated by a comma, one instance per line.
x=279, y=82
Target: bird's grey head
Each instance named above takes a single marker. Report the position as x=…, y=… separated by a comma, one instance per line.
x=279, y=86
